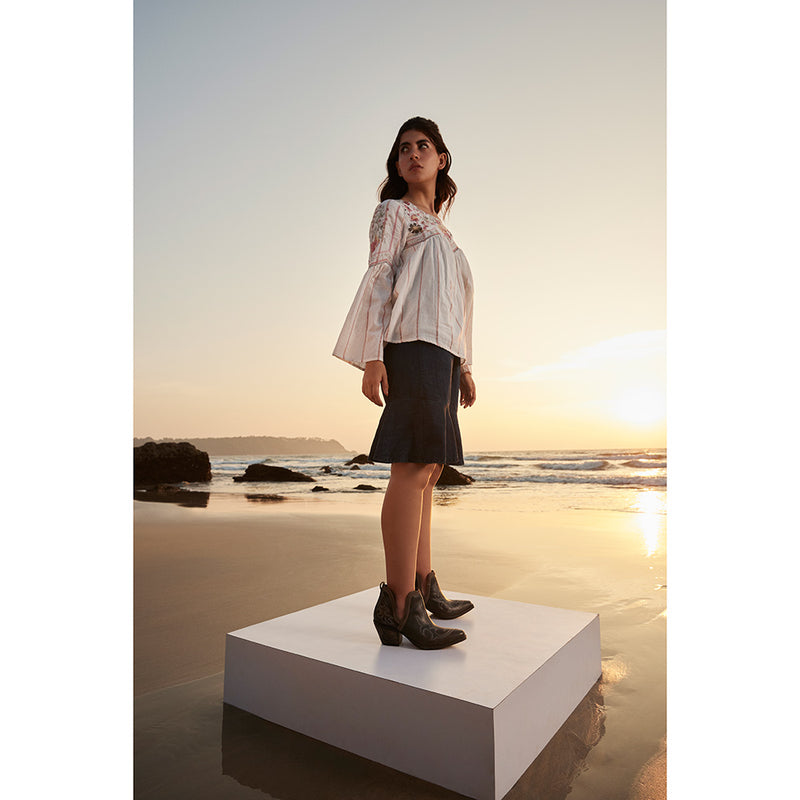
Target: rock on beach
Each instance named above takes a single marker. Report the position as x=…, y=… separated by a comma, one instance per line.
x=452, y=477
x=169, y=462
x=268, y=472
x=359, y=459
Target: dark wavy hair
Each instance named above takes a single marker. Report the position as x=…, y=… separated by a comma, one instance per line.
x=394, y=187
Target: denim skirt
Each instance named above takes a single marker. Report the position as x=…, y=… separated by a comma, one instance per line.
x=419, y=423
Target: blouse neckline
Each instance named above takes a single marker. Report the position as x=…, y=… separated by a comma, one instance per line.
x=438, y=219
x=422, y=211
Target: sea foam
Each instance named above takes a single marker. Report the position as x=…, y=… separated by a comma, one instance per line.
x=575, y=465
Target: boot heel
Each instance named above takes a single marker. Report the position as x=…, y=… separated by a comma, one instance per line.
x=388, y=635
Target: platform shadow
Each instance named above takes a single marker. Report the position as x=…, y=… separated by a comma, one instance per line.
x=282, y=763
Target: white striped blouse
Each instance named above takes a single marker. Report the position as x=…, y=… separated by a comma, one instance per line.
x=418, y=287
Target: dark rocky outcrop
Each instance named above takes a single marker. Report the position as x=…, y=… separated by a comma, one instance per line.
x=452, y=477
x=326, y=469
x=267, y=472
x=360, y=459
x=170, y=462
x=365, y=487
x=264, y=498
x=320, y=489
x=355, y=466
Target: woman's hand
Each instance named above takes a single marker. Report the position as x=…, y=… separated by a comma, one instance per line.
x=467, y=386
x=375, y=378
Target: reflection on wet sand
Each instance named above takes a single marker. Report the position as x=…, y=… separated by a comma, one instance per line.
x=652, y=508
x=264, y=498
x=445, y=497
x=172, y=494
x=551, y=775
x=264, y=756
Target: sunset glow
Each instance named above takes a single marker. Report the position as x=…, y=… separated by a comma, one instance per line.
x=639, y=405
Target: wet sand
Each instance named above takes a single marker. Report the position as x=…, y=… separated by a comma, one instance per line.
x=201, y=572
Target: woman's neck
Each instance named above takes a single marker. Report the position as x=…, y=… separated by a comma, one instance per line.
x=422, y=199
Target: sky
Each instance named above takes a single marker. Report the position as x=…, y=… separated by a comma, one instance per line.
x=260, y=138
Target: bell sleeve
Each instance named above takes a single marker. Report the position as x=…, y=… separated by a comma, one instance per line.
x=361, y=338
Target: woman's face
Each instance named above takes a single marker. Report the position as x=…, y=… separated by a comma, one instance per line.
x=417, y=160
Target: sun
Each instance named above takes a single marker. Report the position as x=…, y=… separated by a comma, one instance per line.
x=639, y=405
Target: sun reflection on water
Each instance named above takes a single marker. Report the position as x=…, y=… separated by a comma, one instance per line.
x=651, y=506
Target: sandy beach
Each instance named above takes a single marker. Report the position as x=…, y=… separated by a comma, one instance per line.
x=201, y=572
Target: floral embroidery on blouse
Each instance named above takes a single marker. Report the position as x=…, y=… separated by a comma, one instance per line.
x=376, y=229
x=424, y=223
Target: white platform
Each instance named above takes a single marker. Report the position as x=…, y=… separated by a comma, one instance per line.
x=471, y=717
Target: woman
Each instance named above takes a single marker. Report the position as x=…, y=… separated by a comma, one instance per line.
x=410, y=330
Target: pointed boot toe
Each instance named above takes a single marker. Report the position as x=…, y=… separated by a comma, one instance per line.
x=417, y=627
x=438, y=605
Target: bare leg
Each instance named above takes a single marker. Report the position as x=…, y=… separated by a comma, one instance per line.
x=424, y=548
x=401, y=519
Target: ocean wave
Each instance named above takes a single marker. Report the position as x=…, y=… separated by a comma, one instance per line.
x=492, y=468
x=649, y=464
x=524, y=458
x=652, y=481
x=575, y=465
x=631, y=454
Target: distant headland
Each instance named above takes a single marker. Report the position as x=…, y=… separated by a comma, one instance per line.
x=258, y=445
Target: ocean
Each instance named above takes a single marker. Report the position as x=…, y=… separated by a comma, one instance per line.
x=521, y=480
